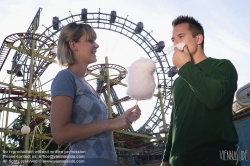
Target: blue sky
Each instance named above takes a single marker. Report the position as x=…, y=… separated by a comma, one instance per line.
x=226, y=25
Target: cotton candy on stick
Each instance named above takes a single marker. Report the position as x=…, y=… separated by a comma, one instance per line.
x=170, y=49
x=141, y=82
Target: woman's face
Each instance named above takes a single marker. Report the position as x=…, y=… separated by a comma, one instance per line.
x=85, y=51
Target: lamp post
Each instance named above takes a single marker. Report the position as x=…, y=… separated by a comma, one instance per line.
x=25, y=130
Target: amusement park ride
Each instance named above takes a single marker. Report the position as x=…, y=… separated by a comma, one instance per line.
x=34, y=53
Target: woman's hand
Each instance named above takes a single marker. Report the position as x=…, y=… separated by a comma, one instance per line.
x=125, y=120
x=133, y=113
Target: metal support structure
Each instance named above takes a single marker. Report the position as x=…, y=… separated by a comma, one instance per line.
x=162, y=112
x=108, y=93
x=28, y=110
x=108, y=89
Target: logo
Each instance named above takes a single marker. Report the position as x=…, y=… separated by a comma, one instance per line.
x=233, y=155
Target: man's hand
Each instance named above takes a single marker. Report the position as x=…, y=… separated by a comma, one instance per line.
x=165, y=164
x=181, y=57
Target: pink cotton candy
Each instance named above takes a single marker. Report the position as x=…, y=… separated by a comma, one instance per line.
x=141, y=82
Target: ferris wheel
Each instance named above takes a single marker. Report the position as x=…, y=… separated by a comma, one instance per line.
x=35, y=53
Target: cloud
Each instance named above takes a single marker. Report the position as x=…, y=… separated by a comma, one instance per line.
x=234, y=42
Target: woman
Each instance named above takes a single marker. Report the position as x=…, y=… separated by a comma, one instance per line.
x=78, y=115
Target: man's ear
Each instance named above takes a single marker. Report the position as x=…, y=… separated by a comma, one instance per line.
x=199, y=38
x=72, y=45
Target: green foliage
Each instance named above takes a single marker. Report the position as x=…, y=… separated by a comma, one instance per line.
x=16, y=141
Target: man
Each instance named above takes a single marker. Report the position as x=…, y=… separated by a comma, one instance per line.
x=201, y=127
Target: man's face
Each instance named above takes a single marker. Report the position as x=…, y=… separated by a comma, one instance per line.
x=182, y=33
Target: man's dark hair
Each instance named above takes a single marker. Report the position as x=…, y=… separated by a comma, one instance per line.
x=194, y=26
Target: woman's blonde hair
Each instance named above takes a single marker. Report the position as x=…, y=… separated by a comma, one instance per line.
x=72, y=31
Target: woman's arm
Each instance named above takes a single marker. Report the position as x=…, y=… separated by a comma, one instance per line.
x=64, y=131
